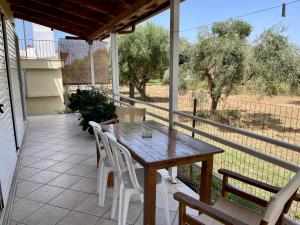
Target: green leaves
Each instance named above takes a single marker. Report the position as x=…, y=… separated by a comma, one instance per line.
x=93, y=106
x=219, y=57
x=276, y=61
x=143, y=55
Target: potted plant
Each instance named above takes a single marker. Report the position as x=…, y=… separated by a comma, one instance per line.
x=93, y=105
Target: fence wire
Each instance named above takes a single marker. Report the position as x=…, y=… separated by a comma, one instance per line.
x=276, y=121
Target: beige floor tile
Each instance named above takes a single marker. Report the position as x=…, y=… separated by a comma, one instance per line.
x=91, y=206
x=24, y=208
x=80, y=170
x=44, y=154
x=27, y=172
x=44, y=177
x=76, y=218
x=75, y=159
x=26, y=187
x=61, y=167
x=90, y=161
x=134, y=211
x=104, y=221
x=29, y=160
x=43, y=164
x=48, y=215
x=58, y=156
x=65, y=180
x=93, y=174
x=69, y=199
x=85, y=185
x=45, y=193
x=12, y=222
x=173, y=204
x=160, y=218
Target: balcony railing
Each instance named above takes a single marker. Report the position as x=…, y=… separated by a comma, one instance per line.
x=269, y=159
x=39, y=49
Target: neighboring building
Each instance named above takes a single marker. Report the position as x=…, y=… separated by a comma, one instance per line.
x=77, y=67
x=13, y=110
x=51, y=66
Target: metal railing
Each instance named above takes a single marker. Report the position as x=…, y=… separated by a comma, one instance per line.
x=246, y=157
x=39, y=49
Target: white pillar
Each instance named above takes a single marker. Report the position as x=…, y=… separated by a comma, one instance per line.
x=174, y=69
x=114, y=65
x=92, y=63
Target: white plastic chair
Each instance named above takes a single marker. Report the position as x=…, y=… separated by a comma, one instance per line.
x=106, y=162
x=131, y=181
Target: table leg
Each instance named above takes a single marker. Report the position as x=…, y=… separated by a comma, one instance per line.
x=149, y=196
x=206, y=180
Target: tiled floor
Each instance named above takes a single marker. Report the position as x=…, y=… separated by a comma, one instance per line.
x=57, y=179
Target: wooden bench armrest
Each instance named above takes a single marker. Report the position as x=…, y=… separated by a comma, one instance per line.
x=206, y=209
x=112, y=121
x=250, y=181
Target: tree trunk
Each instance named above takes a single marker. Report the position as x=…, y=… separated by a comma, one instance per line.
x=131, y=92
x=142, y=90
x=214, y=103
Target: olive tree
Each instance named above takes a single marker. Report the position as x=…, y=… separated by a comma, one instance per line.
x=220, y=57
x=276, y=61
x=143, y=56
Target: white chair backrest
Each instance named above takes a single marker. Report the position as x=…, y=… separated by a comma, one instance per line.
x=106, y=145
x=97, y=126
x=130, y=114
x=123, y=159
x=278, y=201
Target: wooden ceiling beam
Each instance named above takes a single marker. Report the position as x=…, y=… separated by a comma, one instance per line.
x=139, y=5
x=51, y=24
x=52, y=16
x=98, y=6
x=61, y=9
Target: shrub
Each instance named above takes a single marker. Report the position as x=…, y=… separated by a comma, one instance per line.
x=93, y=106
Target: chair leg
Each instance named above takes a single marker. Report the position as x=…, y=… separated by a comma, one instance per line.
x=164, y=194
x=100, y=182
x=104, y=185
x=115, y=197
x=125, y=202
x=121, y=194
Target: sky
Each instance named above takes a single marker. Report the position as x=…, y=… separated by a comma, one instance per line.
x=198, y=13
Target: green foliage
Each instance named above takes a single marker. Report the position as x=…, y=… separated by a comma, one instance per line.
x=231, y=28
x=219, y=57
x=186, y=77
x=276, y=61
x=93, y=106
x=143, y=55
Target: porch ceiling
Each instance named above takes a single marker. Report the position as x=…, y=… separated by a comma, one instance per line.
x=88, y=19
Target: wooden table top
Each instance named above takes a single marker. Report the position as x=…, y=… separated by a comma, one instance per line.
x=166, y=148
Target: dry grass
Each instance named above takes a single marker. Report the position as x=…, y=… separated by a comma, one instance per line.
x=277, y=117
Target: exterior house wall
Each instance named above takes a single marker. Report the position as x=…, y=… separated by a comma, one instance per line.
x=12, y=115
x=44, y=87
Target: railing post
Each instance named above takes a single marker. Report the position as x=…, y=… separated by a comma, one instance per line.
x=194, y=114
x=174, y=70
x=25, y=44
x=91, y=52
x=115, y=66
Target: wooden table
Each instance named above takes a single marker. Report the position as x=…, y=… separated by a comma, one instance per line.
x=167, y=148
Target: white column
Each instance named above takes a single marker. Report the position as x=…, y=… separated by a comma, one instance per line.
x=92, y=63
x=174, y=70
x=114, y=65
